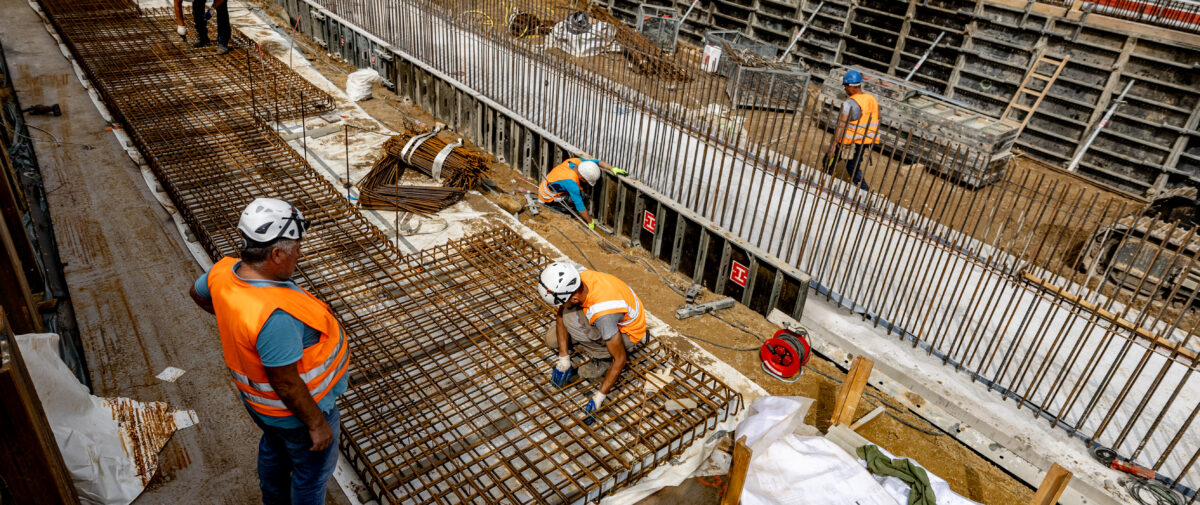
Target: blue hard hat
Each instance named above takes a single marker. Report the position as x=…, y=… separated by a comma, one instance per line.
x=852, y=77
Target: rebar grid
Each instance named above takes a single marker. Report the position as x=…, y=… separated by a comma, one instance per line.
x=449, y=401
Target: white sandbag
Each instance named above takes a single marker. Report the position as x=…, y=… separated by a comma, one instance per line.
x=360, y=82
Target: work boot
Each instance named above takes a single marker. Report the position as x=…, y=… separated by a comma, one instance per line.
x=222, y=48
x=200, y=43
x=594, y=369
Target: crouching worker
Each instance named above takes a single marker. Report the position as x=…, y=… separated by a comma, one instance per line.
x=565, y=181
x=600, y=315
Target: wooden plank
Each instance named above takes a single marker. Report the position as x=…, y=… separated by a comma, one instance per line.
x=851, y=391
x=1052, y=486
x=30, y=462
x=737, y=473
x=1126, y=324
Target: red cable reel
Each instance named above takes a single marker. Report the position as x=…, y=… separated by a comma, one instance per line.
x=785, y=354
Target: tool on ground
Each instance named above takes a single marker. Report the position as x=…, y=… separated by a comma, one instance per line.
x=785, y=354
x=699, y=309
x=41, y=110
x=1151, y=492
x=532, y=204
x=1110, y=459
x=692, y=294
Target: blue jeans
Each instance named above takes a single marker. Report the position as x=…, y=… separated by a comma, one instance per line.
x=289, y=473
x=852, y=165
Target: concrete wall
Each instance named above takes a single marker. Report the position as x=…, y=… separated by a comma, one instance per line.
x=1152, y=141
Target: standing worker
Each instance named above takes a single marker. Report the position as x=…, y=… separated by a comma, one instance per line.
x=200, y=18
x=285, y=351
x=563, y=182
x=593, y=309
x=857, y=129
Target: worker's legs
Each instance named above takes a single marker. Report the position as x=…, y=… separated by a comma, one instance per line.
x=289, y=473
x=580, y=333
x=854, y=166
x=274, y=469
x=201, y=24
x=223, y=30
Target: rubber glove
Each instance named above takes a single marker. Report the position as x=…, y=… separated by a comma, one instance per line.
x=619, y=171
x=592, y=225
x=208, y=14
x=594, y=403
x=563, y=372
x=182, y=31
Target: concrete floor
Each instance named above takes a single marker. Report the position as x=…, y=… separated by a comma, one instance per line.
x=128, y=273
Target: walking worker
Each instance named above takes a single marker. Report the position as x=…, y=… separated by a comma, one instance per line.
x=857, y=130
x=286, y=353
x=601, y=315
x=563, y=182
x=200, y=17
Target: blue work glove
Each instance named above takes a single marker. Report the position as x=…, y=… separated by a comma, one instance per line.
x=563, y=372
x=208, y=14
x=592, y=406
x=618, y=171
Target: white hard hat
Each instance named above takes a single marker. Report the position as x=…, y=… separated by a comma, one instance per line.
x=558, y=282
x=590, y=171
x=268, y=219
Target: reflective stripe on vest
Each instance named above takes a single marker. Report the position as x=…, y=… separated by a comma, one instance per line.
x=609, y=295
x=242, y=309
x=562, y=172
x=865, y=130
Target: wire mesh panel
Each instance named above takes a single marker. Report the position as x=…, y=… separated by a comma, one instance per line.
x=456, y=405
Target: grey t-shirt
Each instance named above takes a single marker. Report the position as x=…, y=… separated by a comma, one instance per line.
x=609, y=325
x=851, y=109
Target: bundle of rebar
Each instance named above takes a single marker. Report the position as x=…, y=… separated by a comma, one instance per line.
x=452, y=164
x=381, y=190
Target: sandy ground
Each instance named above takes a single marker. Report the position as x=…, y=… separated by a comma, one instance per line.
x=968, y=473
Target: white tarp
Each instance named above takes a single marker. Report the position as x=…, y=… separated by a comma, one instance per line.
x=599, y=38
x=789, y=468
x=96, y=435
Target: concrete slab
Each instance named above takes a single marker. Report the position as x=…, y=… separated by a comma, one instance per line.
x=128, y=272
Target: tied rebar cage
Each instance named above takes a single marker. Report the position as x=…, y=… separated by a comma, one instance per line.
x=464, y=413
x=449, y=400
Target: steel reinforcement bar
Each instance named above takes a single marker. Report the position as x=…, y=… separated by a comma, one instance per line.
x=448, y=399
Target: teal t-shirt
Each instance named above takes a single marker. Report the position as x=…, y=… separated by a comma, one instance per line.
x=281, y=341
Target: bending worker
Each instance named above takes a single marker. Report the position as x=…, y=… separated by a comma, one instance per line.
x=601, y=315
x=563, y=182
x=857, y=130
x=286, y=353
x=200, y=17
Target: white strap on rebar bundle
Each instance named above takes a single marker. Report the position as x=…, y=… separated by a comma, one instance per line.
x=441, y=158
x=414, y=143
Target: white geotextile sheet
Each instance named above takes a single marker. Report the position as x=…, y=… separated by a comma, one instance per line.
x=599, y=38
x=93, y=444
x=789, y=467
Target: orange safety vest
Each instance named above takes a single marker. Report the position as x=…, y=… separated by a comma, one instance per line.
x=866, y=129
x=243, y=309
x=606, y=294
x=564, y=171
